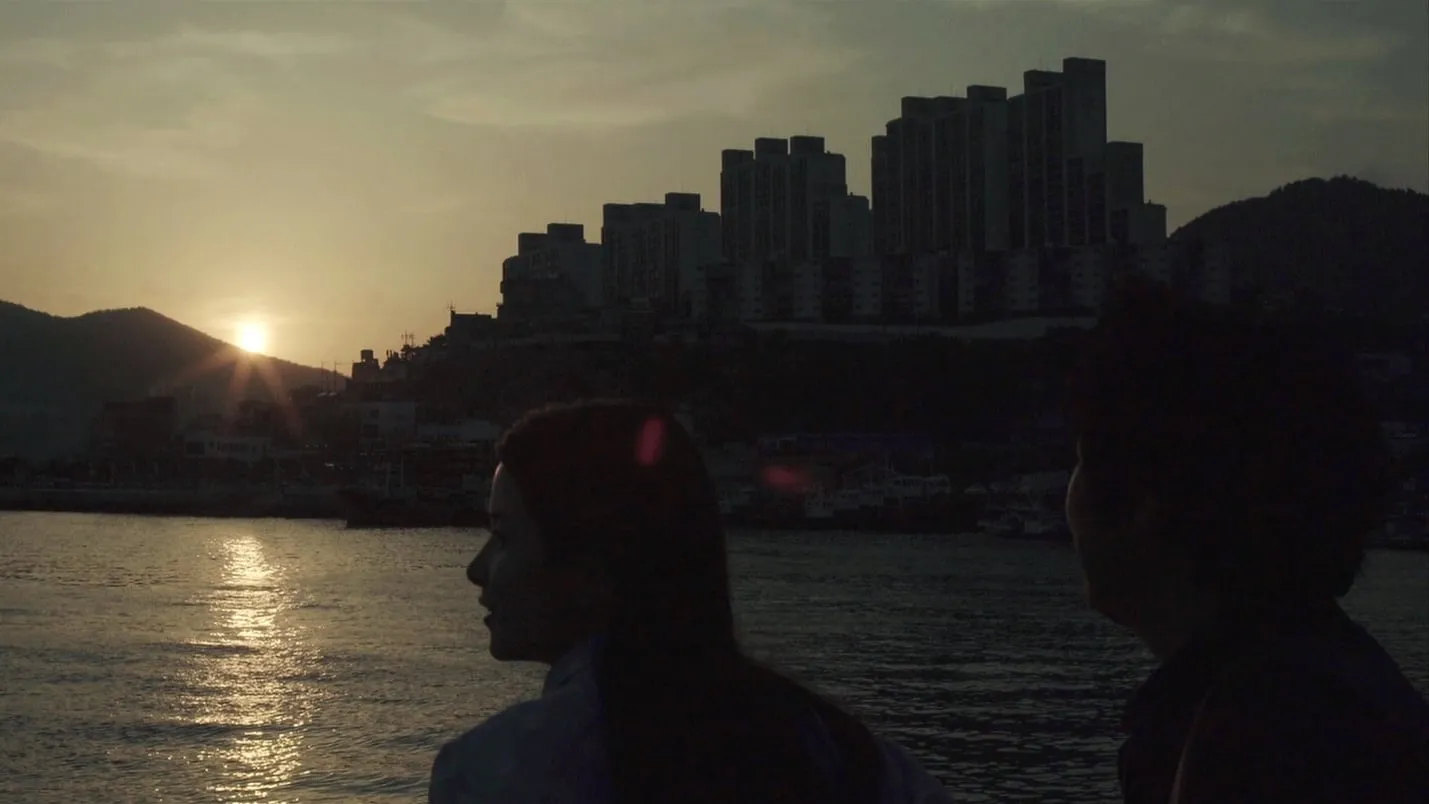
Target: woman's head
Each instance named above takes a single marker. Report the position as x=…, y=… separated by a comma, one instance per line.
x=603, y=519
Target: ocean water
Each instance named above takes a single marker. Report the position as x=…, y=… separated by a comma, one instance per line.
x=186, y=660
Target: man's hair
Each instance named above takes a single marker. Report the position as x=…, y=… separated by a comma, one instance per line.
x=1252, y=432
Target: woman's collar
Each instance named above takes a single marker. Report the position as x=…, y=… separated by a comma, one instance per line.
x=576, y=662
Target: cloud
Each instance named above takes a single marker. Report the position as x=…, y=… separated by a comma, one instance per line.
x=1251, y=35
x=1366, y=111
x=167, y=106
x=41, y=51
x=1268, y=33
x=249, y=43
x=169, y=100
x=437, y=205
x=18, y=202
x=622, y=65
x=187, y=148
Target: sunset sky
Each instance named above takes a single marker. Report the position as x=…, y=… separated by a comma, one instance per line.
x=338, y=172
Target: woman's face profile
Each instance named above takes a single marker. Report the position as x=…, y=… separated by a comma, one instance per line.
x=539, y=605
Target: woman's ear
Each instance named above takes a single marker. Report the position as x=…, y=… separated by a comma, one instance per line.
x=588, y=567
x=597, y=588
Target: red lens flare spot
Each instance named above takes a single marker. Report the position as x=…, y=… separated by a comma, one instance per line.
x=651, y=444
x=786, y=479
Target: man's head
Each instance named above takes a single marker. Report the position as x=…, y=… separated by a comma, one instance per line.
x=1221, y=451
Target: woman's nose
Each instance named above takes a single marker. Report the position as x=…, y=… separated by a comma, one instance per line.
x=479, y=570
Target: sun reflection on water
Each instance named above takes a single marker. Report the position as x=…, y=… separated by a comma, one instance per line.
x=249, y=678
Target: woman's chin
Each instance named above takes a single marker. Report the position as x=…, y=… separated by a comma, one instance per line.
x=499, y=650
x=505, y=650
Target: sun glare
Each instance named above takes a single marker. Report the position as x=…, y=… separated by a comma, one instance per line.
x=252, y=337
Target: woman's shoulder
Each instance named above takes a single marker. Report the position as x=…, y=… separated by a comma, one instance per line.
x=547, y=749
x=904, y=781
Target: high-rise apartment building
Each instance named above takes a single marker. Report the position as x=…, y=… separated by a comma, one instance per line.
x=1130, y=219
x=787, y=201
x=652, y=252
x=1057, y=157
x=940, y=175
x=988, y=172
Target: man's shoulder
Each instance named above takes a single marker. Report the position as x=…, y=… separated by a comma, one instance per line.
x=1312, y=718
x=1345, y=674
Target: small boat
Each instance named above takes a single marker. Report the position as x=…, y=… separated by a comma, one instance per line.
x=819, y=506
x=1404, y=532
x=367, y=508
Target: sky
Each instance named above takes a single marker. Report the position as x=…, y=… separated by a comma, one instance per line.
x=337, y=173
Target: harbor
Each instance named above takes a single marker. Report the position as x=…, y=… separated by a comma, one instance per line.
x=369, y=460
x=873, y=499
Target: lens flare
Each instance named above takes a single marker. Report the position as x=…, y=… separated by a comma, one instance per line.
x=651, y=444
x=786, y=479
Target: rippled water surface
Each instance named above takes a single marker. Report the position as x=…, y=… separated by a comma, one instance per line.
x=244, y=661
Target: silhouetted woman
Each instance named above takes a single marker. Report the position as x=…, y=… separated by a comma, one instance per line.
x=607, y=561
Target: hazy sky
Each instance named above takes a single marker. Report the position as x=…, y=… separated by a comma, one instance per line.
x=344, y=170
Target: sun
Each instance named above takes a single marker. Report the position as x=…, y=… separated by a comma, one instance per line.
x=252, y=337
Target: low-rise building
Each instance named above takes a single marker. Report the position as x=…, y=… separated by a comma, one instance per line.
x=208, y=445
x=385, y=423
x=652, y=253
x=139, y=429
x=554, y=278
x=465, y=431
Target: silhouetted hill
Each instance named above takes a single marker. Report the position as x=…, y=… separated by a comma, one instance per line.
x=55, y=372
x=1338, y=244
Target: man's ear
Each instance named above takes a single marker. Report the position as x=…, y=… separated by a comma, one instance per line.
x=1165, y=531
x=1145, y=517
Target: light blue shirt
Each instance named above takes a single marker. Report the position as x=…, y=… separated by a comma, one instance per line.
x=552, y=749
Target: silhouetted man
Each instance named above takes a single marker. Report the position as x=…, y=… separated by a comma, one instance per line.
x=1229, y=471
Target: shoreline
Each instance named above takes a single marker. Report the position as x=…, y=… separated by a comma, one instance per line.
x=270, y=504
x=211, y=503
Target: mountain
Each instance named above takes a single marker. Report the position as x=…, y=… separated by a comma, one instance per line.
x=56, y=372
x=1340, y=244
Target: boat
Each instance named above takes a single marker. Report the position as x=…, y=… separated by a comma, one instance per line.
x=1404, y=532
x=397, y=496
x=368, y=508
x=872, y=498
x=1036, y=526
x=819, y=507
x=1027, y=508
x=735, y=500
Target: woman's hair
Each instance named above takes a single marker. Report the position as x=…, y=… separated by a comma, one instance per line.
x=688, y=717
x=1252, y=428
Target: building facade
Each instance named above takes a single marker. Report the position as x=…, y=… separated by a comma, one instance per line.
x=652, y=252
x=939, y=174
x=787, y=201
x=554, y=276
x=989, y=172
